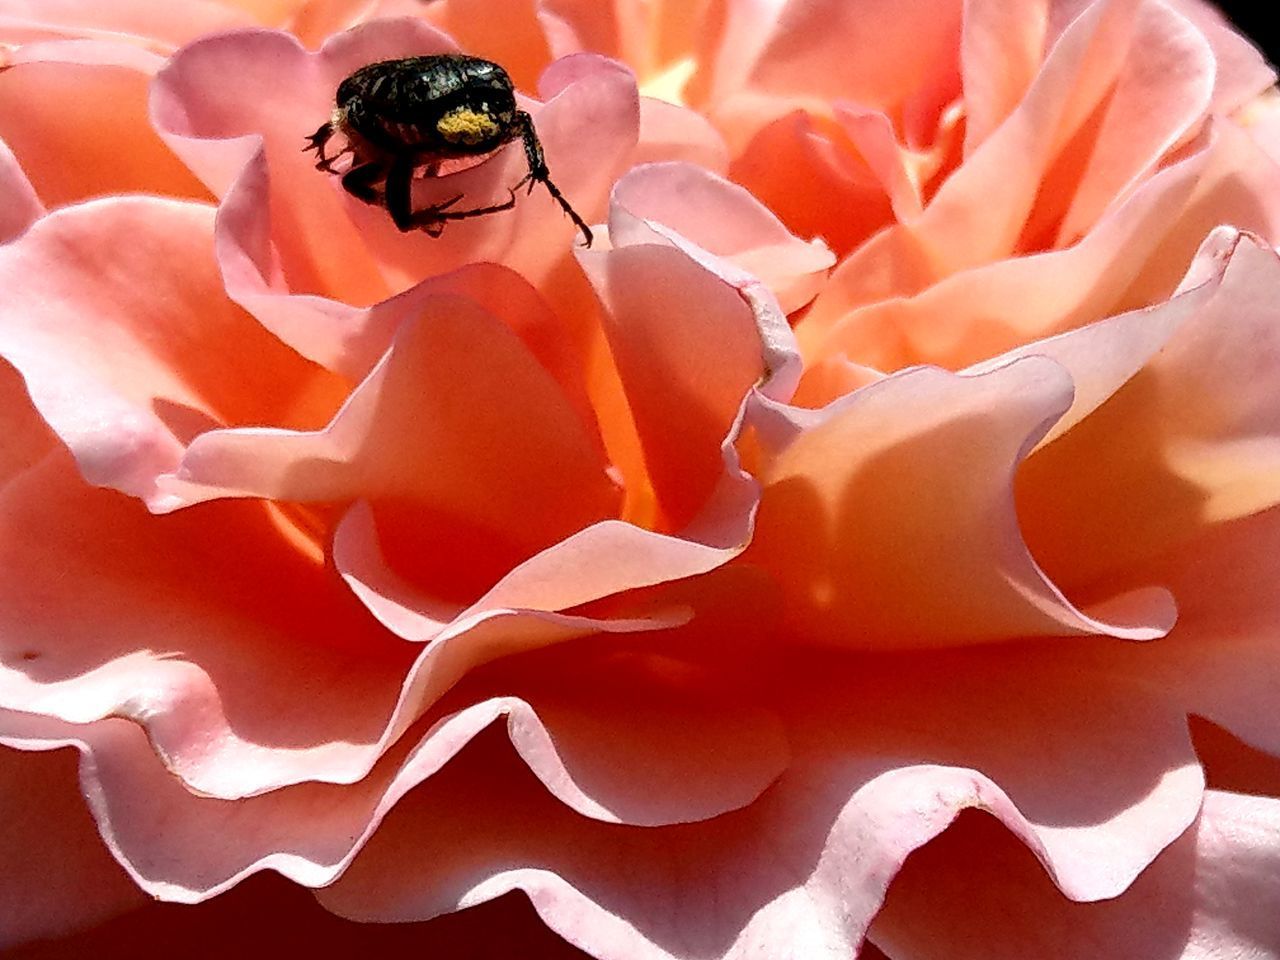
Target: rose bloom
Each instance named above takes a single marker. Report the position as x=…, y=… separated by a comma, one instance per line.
x=869, y=545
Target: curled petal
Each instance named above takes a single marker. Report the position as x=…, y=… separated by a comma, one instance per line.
x=260, y=671
x=839, y=822
x=126, y=362
x=1191, y=439
x=1209, y=895
x=19, y=205
x=458, y=418
x=889, y=516
x=58, y=877
x=685, y=382
x=724, y=220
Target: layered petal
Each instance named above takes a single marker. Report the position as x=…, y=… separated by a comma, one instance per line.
x=807, y=864
x=888, y=516
x=74, y=113
x=19, y=205
x=58, y=877
x=126, y=363
x=1185, y=443
x=975, y=893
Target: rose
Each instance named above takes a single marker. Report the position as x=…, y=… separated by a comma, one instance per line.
x=382, y=523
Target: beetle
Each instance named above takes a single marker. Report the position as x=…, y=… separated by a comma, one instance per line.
x=402, y=116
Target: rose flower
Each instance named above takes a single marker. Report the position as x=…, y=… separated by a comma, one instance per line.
x=868, y=545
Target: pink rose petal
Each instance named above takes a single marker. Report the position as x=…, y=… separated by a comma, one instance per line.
x=800, y=173
x=74, y=113
x=459, y=418
x=973, y=893
x=26, y=439
x=1190, y=441
x=835, y=828
x=671, y=132
x=685, y=382
x=1009, y=192
x=249, y=664
x=185, y=847
x=58, y=877
x=19, y=205
x=1242, y=70
x=127, y=362
x=903, y=46
x=1001, y=49
x=161, y=27
x=1222, y=662
x=724, y=220
x=1135, y=254
x=888, y=517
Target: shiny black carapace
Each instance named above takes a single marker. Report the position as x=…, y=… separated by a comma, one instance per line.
x=400, y=117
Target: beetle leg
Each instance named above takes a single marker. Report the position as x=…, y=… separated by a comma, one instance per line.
x=538, y=172
x=316, y=142
x=433, y=218
x=359, y=181
x=399, y=185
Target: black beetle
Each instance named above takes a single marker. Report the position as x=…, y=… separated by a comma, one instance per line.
x=399, y=116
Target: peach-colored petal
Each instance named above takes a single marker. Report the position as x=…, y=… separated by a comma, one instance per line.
x=1135, y=255
x=1242, y=70
x=607, y=558
x=1190, y=441
x=1223, y=660
x=671, y=132
x=888, y=517
x=458, y=418
x=808, y=862
x=224, y=700
x=724, y=220
x=1012, y=190
x=685, y=382
x=973, y=893
x=901, y=46
x=1236, y=188
x=900, y=173
x=816, y=186
x=1160, y=95
x=508, y=33
x=614, y=28
x=269, y=914
x=57, y=877
x=161, y=27
x=249, y=664
x=990, y=308
x=19, y=205
x=779, y=351
x=25, y=439
x=1105, y=355
x=672, y=764
x=128, y=362
x=74, y=113
x=1001, y=49
x=315, y=21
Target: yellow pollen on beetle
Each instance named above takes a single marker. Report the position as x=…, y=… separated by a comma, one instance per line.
x=465, y=125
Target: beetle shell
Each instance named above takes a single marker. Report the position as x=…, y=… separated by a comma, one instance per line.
x=399, y=104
